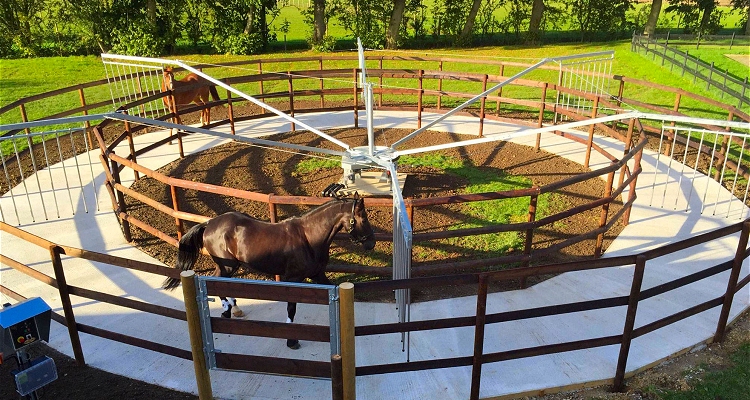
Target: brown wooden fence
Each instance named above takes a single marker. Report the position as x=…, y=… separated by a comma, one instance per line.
x=479, y=321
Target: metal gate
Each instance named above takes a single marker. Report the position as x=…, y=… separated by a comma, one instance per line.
x=402, y=234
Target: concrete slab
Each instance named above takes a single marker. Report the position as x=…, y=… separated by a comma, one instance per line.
x=94, y=227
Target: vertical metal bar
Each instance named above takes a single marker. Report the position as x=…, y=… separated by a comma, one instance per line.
x=669, y=167
x=684, y=160
x=557, y=96
x=110, y=83
x=91, y=170
x=62, y=288
x=739, y=258
x=49, y=171
x=36, y=175
x=476, y=368
x=626, y=150
x=708, y=174
x=23, y=180
x=334, y=321
x=627, y=334
x=78, y=170
x=656, y=167
x=723, y=169
x=10, y=188
x=736, y=175
x=695, y=170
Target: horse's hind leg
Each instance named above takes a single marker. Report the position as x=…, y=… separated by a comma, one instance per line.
x=291, y=310
x=226, y=269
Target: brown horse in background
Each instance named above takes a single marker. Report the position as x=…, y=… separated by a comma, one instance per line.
x=190, y=89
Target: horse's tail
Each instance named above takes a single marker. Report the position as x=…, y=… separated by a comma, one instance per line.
x=190, y=247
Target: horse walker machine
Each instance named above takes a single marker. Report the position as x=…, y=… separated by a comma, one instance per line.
x=21, y=326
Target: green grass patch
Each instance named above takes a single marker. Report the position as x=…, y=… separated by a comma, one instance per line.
x=313, y=164
x=732, y=383
x=488, y=212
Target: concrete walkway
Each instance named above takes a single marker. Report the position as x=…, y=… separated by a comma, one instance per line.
x=650, y=226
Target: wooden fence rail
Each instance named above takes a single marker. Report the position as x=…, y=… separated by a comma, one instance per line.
x=479, y=320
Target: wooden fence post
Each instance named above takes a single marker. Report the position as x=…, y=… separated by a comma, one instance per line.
x=533, y=199
x=482, y=105
x=742, y=95
x=62, y=288
x=500, y=91
x=380, y=82
x=419, y=100
x=356, y=100
x=176, y=120
x=131, y=147
x=120, y=200
x=348, y=358
x=322, y=87
x=540, y=122
x=739, y=258
x=176, y=207
x=628, y=144
x=627, y=334
x=86, y=124
x=604, y=213
x=260, y=81
x=631, y=191
x=190, y=294
x=440, y=85
x=230, y=110
x=337, y=381
x=594, y=111
x=476, y=368
x=291, y=98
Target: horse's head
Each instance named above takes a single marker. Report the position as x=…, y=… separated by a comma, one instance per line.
x=358, y=225
x=166, y=83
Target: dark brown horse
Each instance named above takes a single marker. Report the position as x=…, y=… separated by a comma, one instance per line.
x=295, y=249
x=190, y=89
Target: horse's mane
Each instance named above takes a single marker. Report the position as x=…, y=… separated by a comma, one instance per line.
x=325, y=205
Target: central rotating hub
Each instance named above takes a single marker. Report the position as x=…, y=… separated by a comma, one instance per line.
x=358, y=160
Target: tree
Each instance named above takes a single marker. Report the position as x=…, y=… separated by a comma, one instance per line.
x=743, y=6
x=696, y=16
x=465, y=37
x=16, y=20
x=653, y=17
x=607, y=16
x=319, y=20
x=537, y=12
x=394, y=24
